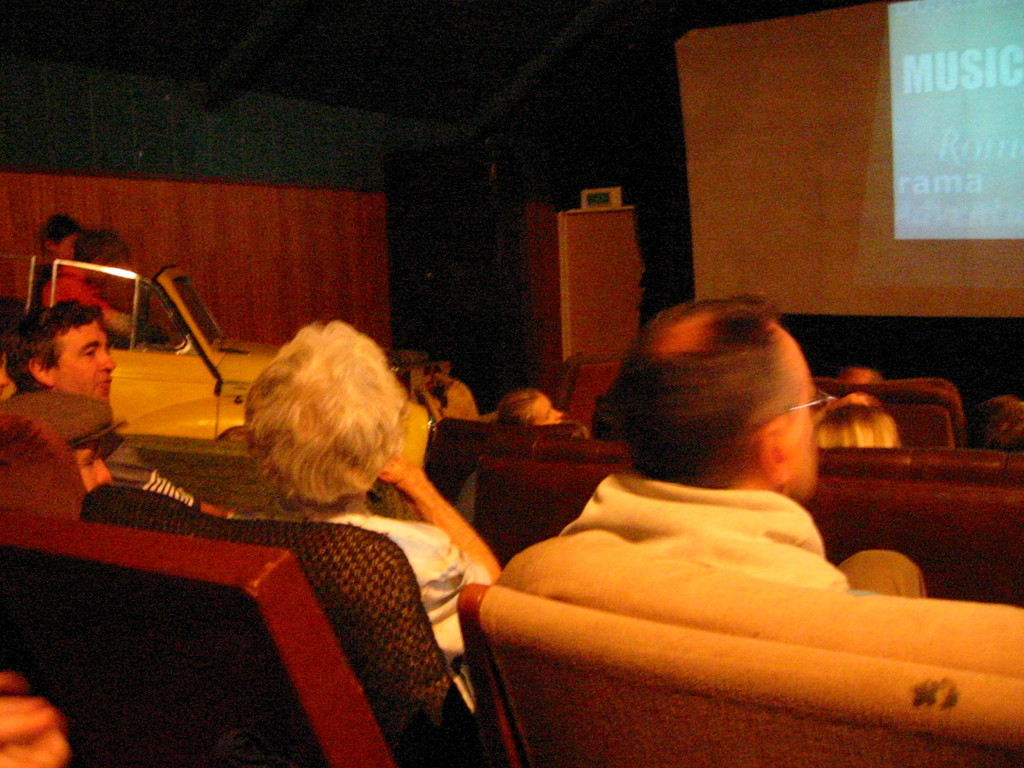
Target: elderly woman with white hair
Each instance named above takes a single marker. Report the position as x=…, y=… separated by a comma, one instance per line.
x=325, y=420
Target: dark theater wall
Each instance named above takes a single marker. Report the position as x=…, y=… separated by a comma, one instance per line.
x=982, y=356
x=63, y=118
x=472, y=227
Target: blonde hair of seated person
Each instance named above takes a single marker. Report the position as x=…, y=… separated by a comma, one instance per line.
x=528, y=406
x=857, y=425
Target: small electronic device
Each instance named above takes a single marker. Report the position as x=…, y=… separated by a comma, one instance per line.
x=604, y=197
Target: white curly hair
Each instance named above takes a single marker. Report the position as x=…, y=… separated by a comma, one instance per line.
x=326, y=415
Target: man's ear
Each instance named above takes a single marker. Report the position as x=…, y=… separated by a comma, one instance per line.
x=45, y=376
x=773, y=454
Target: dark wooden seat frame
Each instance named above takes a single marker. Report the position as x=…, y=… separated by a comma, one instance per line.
x=138, y=591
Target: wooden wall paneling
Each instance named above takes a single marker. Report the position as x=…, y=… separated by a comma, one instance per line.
x=344, y=248
x=265, y=222
x=375, y=293
x=238, y=211
x=155, y=227
x=8, y=215
x=326, y=252
x=294, y=265
x=199, y=227
x=267, y=259
x=22, y=200
x=303, y=231
x=348, y=287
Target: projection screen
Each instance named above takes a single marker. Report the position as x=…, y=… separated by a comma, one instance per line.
x=861, y=161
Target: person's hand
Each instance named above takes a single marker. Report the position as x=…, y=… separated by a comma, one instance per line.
x=31, y=729
x=402, y=474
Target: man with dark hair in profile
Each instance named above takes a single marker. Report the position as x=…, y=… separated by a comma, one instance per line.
x=716, y=404
x=65, y=348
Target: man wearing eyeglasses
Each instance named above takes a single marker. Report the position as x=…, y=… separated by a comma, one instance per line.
x=716, y=403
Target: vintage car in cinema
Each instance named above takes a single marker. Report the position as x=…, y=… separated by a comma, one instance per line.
x=177, y=375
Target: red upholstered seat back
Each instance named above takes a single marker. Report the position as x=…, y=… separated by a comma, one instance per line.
x=584, y=380
x=958, y=513
x=968, y=538
x=521, y=501
x=458, y=443
x=949, y=464
x=928, y=411
x=169, y=651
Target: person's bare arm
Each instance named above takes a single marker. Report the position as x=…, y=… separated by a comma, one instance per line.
x=433, y=508
x=31, y=729
x=212, y=509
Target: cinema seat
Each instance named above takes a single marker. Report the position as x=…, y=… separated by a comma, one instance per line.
x=584, y=379
x=959, y=514
x=595, y=658
x=458, y=443
x=369, y=594
x=929, y=412
x=521, y=501
x=170, y=652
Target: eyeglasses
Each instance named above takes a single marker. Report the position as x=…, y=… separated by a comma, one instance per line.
x=821, y=399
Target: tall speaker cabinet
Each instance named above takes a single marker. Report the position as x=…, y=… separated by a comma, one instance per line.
x=600, y=271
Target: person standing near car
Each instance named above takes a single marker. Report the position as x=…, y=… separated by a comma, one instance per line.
x=57, y=237
x=104, y=248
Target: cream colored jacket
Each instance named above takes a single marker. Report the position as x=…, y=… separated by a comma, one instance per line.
x=758, y=533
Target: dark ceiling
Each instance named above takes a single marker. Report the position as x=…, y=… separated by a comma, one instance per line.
x=461, y=61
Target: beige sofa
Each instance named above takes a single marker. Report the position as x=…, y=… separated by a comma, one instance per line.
x=599, y=658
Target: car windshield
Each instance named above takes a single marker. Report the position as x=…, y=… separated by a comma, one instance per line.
x=156, y=326
x=140, y=317
x=207, y=325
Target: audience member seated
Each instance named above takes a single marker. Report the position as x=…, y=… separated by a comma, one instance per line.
x=387, y=635
x=431, y=385
x=38, y=474
x=928, y=411
x=716, y=406
x=37, y=429
x=523, y=407
x=324, y=421
x=31, y=729
x=457, y=444
x=6, y=383
x=859, y=374
x=998, y=423
x=527, y=406
x=856, y=425
x=64, y=348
